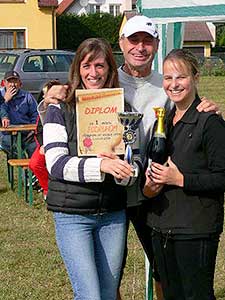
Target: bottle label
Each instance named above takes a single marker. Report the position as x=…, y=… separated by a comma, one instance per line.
x=161, y=135
x=149, y=163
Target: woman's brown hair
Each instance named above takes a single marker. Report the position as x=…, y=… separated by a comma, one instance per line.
x=92, y=46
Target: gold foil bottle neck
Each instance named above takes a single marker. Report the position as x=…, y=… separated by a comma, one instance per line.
x=160, y=115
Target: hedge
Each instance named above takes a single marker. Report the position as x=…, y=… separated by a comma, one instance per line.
x=73, y=29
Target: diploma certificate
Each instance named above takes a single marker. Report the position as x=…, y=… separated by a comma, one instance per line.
x=98, y=127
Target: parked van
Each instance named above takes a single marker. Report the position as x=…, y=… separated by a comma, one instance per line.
x=36, y=67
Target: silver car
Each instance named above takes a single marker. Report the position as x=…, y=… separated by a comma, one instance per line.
x=36, y=67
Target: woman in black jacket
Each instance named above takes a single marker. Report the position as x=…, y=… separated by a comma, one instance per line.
x=88, y=206
x=187, y=215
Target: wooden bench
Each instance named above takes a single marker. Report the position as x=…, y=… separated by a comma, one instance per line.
x=28, y=188
x=7, y=158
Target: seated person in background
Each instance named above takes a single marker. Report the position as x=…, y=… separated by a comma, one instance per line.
x=2, y=100
x=19, y=107
x=37, y=161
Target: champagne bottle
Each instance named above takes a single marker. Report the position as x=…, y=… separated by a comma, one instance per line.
x=157, y=152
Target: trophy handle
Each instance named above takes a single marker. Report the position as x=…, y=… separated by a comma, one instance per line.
x=128, y=154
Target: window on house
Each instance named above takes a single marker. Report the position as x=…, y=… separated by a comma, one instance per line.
x=12, y=39
x=114, y=9
x=94, y=8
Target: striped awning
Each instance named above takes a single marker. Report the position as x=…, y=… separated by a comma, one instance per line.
x=167, y=11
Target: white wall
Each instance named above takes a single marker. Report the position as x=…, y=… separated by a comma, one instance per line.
x=212, y=29
x=78, y=9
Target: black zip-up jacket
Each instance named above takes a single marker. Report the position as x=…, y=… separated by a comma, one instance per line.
x=83, y=198
x=196, y=145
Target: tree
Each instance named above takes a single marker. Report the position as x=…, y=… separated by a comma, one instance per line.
x=73, y=29
x=220, y=35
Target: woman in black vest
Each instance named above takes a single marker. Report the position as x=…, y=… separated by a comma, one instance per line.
x=187, y=216
x=88, y=206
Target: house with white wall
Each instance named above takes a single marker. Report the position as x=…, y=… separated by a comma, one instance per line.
x=78, y=7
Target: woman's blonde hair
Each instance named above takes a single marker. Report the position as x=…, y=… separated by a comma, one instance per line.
x=92, y=46
x=186, y=57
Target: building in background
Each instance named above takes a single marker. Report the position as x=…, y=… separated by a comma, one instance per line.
x=28, y=24
x=78, y=7
x=199, y=37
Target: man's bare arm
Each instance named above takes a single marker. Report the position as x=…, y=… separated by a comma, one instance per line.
x=208, y=105
x=55, y=94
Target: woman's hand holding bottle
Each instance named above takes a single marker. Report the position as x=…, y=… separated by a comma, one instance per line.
x=166, y=174
x=151, y=189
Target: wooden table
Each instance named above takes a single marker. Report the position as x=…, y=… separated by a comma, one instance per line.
x=16, y=130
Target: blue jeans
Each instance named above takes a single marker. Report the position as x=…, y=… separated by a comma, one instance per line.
x=92, y=248
x=5, y=141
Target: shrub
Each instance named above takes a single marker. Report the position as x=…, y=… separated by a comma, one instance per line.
x=210, y=68
x=73, y=29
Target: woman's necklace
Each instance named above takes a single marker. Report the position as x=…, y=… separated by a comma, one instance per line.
x=179, y=114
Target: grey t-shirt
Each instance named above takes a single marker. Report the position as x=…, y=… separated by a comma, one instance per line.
x=142, y=94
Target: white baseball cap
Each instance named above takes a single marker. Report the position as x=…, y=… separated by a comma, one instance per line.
x=137, y=24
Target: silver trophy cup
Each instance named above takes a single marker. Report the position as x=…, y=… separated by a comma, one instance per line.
x=130, y=121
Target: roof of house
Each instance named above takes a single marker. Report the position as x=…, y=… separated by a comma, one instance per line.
x=47, y=3
x=130, y=13
x=197, y=31
x=64, y=5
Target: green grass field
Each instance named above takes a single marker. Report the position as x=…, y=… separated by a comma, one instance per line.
x=30, y=265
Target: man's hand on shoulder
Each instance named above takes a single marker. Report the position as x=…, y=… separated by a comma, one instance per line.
x=207, y=105
x=55, y=94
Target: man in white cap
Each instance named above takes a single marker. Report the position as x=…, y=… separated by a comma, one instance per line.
x=143, y=90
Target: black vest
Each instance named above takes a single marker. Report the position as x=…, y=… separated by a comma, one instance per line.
x=78, y=197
